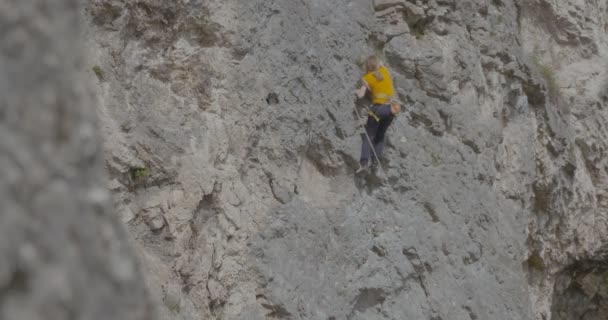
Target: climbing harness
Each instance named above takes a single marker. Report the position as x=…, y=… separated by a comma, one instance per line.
x=372, y=114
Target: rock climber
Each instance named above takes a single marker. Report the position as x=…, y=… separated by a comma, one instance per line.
x=377, y=81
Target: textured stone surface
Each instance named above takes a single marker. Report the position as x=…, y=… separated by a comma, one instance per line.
x=568, y=232
x=63, y=254
x=231, y=140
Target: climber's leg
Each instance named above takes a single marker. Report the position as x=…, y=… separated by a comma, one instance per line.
x=386, y=118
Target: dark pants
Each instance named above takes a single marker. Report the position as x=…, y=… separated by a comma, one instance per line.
x=376, y=128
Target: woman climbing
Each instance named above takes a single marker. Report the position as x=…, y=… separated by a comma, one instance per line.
x=377, y=81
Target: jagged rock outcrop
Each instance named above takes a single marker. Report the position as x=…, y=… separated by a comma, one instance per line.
x=231, y=139
x=568, y=233
x=63, y=254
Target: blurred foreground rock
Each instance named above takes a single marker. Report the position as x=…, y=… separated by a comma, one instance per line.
x=63, y=254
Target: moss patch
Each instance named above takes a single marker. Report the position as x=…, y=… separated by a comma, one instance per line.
x=172, y=303
x=98, y=72
x=435, y=160
x=550, y=79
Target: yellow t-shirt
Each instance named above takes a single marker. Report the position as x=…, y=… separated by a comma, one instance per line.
x=382, y=91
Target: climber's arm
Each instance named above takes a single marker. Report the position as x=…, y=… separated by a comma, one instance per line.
x=360, y=93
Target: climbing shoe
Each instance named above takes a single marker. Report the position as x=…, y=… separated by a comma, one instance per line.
x=362, y=168
x=373, y=167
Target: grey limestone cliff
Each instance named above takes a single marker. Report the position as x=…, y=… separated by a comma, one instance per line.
x=231, y=140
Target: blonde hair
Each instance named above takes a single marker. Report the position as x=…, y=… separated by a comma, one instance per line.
x=373, y=64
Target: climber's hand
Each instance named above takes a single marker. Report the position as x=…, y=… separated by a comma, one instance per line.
x=360, y=93
x=395, y=108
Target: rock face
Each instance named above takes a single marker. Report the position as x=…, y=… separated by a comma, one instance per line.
x=231, y=139
x=63, y=254
x=568, y=232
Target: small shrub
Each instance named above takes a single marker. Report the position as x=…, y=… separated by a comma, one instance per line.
x=536, y=262
x=98, y=72
x=419, y=33
x=435, y=160
x=550, y=79
x=138, y=173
